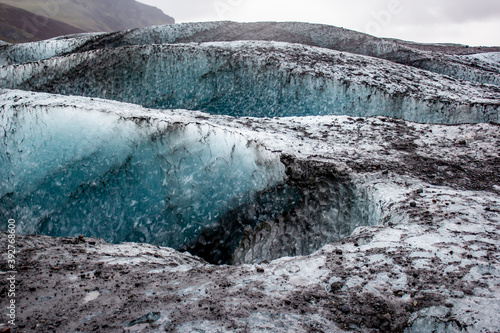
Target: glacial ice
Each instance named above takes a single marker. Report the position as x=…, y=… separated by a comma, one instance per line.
x=329, y=209
x=328, y=37
x=59, y=46
x=123, y=173
x=415, y=206
x=324, y=36
x=124, y=177
x=263, y=79
x=492, y=59
x=291, y=220
x=415, y=243
x=45, y=49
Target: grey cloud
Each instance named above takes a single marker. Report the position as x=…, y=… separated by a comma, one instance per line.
x=465, y=11
x=424, y=20
x=449, y=11
x=186, y=10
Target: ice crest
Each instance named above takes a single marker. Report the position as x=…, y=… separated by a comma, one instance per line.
x=261, y=79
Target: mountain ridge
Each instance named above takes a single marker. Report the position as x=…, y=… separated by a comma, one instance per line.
x=13, y=29
x=25, y=21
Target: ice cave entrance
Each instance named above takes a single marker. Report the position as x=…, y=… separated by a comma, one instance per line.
x=311, y=208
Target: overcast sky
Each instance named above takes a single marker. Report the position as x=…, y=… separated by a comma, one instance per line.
x=472, y=22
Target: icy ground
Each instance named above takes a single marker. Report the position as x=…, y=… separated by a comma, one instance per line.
x=283, y=69
x=428, y=259
x=372, y=206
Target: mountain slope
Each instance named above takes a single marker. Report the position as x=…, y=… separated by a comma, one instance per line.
x=76, y=16
x=15, y=26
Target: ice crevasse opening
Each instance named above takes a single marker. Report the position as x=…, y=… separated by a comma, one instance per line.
x=167, y=180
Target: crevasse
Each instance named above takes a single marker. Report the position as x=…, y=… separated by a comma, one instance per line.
x=74, y=166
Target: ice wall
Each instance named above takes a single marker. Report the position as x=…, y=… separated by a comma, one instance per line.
x=263, y=79
x=45, y=49
x=123, y=177
x=329, y=208
x=59, y=46
x=78, y=166
x=218, y=242
x=292, y=32
x=463, y=68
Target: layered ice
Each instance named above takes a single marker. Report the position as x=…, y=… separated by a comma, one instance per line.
x=404, y=217
x=74, y=166
x=330, y=208
x=293, y=219
x=123, y=177
x=491, y=59
x=45, y=49
x=263, y=79
x=442, y=60
x=399, y=221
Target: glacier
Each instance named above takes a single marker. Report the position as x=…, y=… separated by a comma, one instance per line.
x=441, y=59
x=123, y=177
x=263, y=79
x=69, y=173
x=377, y=223
x=250, y=177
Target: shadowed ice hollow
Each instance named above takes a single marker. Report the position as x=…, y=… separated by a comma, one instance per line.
x=173, y=180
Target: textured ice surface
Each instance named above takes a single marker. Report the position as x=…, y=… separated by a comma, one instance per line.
x=124, y=173
x=429, y=262
x=330, y=208
x=329, y=37
x=34, y=51
x=399, y=220
x=491, y=59
x=123, y=177
x=259, y=79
